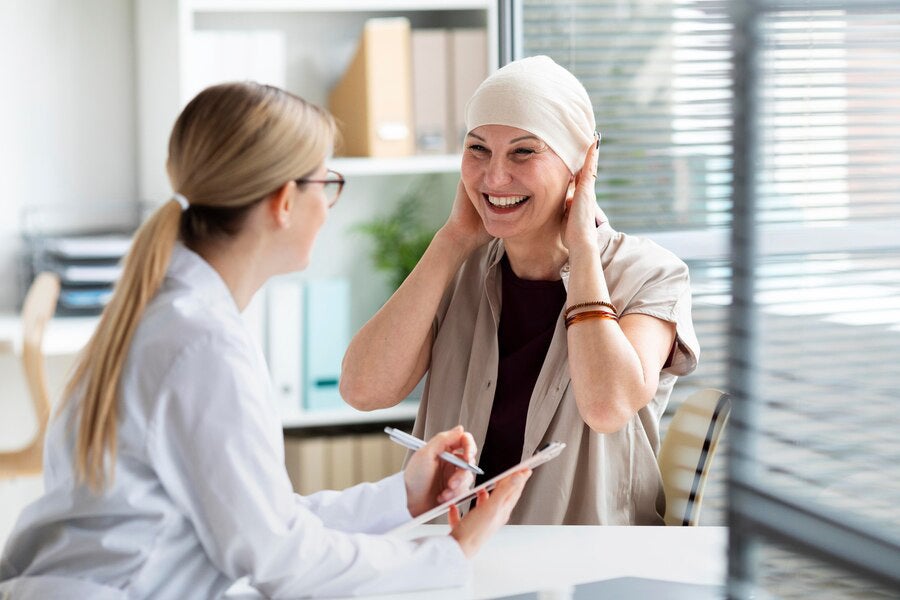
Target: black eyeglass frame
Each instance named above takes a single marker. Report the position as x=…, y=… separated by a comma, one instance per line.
x=339, y=181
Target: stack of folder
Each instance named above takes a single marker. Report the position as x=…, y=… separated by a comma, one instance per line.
x=405, y=90
x=307, y=331
x=88, y=266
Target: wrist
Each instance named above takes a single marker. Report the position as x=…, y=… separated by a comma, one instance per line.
x=464, y=543
x=584, y=250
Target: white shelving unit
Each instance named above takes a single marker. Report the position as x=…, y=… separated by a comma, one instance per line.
x=411, y=165
x=311, y=6
x=321, y=36
x=405, y=411
x=317, y=39
x=66, y=336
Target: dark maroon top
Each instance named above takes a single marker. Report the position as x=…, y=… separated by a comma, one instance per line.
x=528, y=315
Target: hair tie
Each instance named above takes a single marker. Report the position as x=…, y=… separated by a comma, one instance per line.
x=182, y=201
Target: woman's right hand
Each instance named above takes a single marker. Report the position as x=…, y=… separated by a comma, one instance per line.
x=464, y=225
x=490, y=513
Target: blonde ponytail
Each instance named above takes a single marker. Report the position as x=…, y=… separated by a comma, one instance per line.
x=99, y=368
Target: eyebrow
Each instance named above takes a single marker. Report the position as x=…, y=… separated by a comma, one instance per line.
x=512, y=141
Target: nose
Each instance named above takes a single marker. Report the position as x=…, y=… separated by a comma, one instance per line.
x=497, y=174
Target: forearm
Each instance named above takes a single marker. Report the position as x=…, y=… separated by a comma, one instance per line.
x=609, y=380
x=384, y=360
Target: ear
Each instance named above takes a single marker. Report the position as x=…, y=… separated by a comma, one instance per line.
x=280, y=203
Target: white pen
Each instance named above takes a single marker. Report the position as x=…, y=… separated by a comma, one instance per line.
x=414, y=443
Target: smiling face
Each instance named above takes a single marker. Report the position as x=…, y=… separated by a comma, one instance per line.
x=516, y=182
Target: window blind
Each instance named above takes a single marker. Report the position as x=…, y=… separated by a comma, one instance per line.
x=658, y=74
x=816, y=331
x=760, y=140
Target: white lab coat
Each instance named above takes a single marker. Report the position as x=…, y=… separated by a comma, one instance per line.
x=200, y=496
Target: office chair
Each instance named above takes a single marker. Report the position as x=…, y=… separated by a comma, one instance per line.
x=687, y=452
x=37, y=310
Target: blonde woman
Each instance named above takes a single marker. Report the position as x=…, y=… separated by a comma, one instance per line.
x=164, y=469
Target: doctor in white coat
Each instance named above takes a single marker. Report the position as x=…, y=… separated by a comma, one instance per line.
x=164, y=469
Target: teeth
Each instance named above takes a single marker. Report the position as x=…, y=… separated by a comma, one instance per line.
x=506, y=200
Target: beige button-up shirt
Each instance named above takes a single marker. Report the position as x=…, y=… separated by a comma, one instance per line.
x=599, y=479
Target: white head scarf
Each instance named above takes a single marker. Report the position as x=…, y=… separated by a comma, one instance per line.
x=541, y=97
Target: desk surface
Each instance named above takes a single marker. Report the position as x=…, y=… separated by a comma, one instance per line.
x=64, y=335
x=527, y=558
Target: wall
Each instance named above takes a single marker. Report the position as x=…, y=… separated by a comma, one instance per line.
x=67, y=117
x=67, y=140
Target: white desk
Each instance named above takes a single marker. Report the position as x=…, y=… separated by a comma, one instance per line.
x=526, y=558
x=64, y=336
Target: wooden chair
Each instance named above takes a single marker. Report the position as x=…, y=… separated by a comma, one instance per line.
x=37, y=310
x=687, y=452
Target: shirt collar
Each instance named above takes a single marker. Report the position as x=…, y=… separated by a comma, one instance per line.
x=190, y=270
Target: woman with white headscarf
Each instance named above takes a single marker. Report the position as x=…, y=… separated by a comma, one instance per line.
x=533, y=318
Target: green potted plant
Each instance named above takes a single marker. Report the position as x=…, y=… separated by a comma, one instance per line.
x=401, y=237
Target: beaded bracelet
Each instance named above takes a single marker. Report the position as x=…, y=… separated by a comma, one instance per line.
x=590, y=314
x=594, y=303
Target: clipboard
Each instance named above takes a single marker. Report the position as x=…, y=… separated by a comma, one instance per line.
x=547, y=452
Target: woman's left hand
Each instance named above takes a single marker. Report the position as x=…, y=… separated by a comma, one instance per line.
x=579, y=220
x=431, y=480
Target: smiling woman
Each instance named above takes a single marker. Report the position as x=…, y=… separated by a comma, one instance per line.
x=533, y=318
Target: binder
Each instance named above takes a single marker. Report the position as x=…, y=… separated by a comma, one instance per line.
x=284, y=341
x=468, y=68
x=339, y=453
x=306, y=461
x=372, y=456
x=373, y=100
x=327, y=335
x=431, y=90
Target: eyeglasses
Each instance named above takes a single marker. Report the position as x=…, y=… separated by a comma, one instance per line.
x=331, y=186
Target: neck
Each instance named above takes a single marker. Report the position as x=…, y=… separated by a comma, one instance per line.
x=536, y=259
x=238, y=262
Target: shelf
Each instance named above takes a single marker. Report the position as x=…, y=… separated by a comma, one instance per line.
x=405, y=411
x=262, y=6
x=406, y=165
x=66, y=336
x=168, y=51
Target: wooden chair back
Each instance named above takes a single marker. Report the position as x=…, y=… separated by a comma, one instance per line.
x=37, y=310
x=687, y=451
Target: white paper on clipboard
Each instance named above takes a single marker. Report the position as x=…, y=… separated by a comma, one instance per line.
x=548, y=452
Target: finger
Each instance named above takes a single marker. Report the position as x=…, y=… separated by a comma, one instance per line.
x=445, y=440
x=481, y=497
x=589, y=168
x=469, y=446
x=459, y=481
x=461, y=443
x=510, y=488
x=453, y=517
